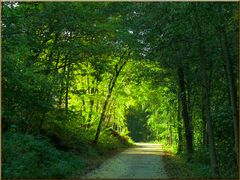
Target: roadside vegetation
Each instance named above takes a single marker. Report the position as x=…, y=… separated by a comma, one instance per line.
x=65, y=155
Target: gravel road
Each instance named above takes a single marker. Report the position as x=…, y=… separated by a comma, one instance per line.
x=142, y=161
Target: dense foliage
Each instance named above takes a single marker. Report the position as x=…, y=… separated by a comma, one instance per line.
x=21, y=160
x=90, y=74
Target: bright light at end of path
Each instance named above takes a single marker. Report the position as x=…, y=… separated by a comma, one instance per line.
x=145, y=148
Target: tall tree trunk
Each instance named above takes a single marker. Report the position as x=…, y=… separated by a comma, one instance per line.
x=67, y=87
x=170, y=130
x=68, y=57
x=118, y=68
x=204, y=126
x=232, y=88
x=179, y=127
x=108, y=120
x=97, y=101
x=207, y=114
x=102, y=117
x=187, y=125
x=228, y=92
x=90, y=113
x=83, y=109
x=62, y=85
x=189, y=107
x=206, y=96
x=110, y=107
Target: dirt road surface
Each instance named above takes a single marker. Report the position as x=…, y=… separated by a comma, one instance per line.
x=142, y=161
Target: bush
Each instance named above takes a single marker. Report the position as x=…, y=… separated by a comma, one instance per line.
x=25, y=156
x=110, y=140
x=75, y=140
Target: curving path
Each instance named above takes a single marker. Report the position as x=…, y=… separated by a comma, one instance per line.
x=142, y=161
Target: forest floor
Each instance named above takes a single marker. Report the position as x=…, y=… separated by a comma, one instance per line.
x=141, y=161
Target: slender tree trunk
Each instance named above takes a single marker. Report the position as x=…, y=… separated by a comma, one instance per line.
x=207, y=110
x=118, y=68
x=90, y=113
x=97, y=101
x=187, y=125
x=83, y=109
x=207, y=114
x=232, y=88
x=229, y=104
x=179, y=127
x=102, y=117
x=67, y=87
x=206, y=96
x=62, y=85
x=228, y=92
x=190, y=108
x=108, y=120
x=170, y=130
x=109, y=108
x=226, y=46
x=204, y=126
x=68, y=57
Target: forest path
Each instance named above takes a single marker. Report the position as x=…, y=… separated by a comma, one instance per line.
x=141, y=161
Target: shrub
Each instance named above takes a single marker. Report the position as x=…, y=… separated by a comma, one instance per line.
x=26, y=156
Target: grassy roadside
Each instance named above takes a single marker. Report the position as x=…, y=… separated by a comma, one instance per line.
x=56, y=155
x=175, y=167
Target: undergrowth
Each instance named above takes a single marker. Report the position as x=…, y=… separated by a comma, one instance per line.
x=57, y=153
x=177, y=166
x=25, y=156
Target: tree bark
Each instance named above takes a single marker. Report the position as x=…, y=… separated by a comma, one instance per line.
x=207, y=113
x=232, y=87
x=62, y=84
x=189, y=104
x=67, y=87
x=206, y=95
x=179, y=127
x=170, y=129
x=90, y=111
x=102, y=117
x=118, y=68
x=204, y=126
x=187, y=125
